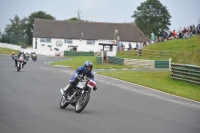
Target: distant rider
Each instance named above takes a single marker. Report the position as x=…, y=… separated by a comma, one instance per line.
x=14, y=57
x=21, y=53
x=33, y=53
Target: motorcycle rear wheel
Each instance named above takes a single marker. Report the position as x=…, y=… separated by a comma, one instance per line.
x=82, y=102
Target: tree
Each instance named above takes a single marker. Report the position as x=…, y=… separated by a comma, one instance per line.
x=78, y=18
x=152, y=16
x=28, y=22
x=73, y=19
x=14, y=30
x=79, y=14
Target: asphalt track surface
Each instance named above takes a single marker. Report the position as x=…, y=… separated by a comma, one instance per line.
x=29, y=103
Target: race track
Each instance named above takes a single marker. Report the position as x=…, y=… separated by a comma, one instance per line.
x=29, y=103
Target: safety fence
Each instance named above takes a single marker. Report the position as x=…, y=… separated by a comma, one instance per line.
x=116, y=60
x=137, y=63
x=99, y=59
x=74, y=53
x=184, y=72
x=147, y=53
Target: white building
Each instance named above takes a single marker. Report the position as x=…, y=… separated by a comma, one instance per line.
x=58, y=36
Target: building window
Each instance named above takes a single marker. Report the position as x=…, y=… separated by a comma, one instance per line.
x=90, y=42
x=42, y=40
x=42, y=44
x=48, y=40
x=69, y=41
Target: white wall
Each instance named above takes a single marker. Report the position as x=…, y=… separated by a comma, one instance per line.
x=82, y=46
x=29, y=50
x=10, y=46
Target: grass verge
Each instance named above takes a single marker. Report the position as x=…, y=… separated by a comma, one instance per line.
x=8, y=51
x=77, y=61
x=159, y=81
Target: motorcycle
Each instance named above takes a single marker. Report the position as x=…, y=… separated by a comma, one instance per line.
x=80, y=95
x=20, y=62
x=27, y=56
x=34, y=57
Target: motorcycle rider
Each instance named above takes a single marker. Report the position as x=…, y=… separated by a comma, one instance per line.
x=27, y=54
x=14, y=58
x=32, y=54
x=24, y=56
x=85, y=70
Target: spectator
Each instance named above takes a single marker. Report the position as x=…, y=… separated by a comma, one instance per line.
x=152, y=37
x=157, y=40
x=122, y=47
x=140, y=49
x=146, y=43
x=198, y=29
x=119, y=45
x=130, y=46
x=174, y=33
x=136, y=46
x=170, y=37
x=193, y=27
x=180, y=30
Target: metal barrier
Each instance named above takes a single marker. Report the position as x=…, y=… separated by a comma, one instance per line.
x=184, y=72
x=99, y=59
x=74, y=53
x=161, y=64
x=116, y=60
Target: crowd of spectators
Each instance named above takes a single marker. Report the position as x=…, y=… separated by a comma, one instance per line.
x=169, y=35
x=164, y=36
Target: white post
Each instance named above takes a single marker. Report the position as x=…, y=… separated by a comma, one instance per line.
x=170, y=61
x=102, y=56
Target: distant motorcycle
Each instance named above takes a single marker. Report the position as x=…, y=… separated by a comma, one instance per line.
x=80, y=94
x=20, y=62
x=34, y=57
x=27, y=56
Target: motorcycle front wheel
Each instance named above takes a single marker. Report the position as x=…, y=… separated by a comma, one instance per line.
x=82, y=102
x=18, y=67
x=63, y=103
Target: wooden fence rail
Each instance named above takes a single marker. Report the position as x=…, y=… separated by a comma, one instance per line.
x=184, y=72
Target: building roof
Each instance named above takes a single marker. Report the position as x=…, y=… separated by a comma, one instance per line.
x=86, y=30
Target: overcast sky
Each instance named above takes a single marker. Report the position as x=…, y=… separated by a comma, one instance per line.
x=183, y=12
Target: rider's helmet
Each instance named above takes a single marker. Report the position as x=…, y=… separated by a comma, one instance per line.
x=21, y=52
x=13, y=52
x=88, y=66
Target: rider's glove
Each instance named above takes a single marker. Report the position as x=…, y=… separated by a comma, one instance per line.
x=95, y=88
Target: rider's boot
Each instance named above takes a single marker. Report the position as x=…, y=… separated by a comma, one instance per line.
x=15, y=63
x=69, y=88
